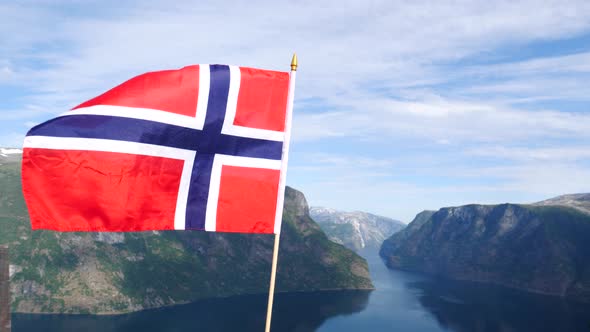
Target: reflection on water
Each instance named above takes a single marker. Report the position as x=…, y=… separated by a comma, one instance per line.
x=412, y=302
x=402, y=302
x=471, y=307
x=297, y=312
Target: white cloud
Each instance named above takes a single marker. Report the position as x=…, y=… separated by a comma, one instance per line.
x=553, y=154
x=342, y=45
x=30, y=124
x=27, y=112
x=576, y=63
x=11, y=140
x=373, y=73
x=327, y=159
x=5, y=73
x=439, y=119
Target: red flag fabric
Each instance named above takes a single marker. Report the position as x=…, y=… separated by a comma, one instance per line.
x=198, y=148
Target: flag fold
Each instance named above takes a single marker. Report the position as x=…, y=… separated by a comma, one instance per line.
x=198, y=148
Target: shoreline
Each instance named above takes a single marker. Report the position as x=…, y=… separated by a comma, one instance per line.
x=121, y=313
x=494, y=283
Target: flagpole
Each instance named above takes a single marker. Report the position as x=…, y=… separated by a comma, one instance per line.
x=281, y=200
x=4, y=289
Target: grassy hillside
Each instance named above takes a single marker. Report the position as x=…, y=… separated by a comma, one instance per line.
x=122, y=272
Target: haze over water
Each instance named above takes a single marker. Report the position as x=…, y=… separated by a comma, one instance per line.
x=402, y=302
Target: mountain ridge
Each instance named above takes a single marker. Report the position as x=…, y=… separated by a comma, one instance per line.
x=111, y=273
x=537, y=248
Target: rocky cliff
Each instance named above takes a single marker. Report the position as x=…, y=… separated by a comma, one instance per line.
x=120, y=272
x=355, y=230
x=542, y=249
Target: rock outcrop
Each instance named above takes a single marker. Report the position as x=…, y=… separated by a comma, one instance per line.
x=543, y=249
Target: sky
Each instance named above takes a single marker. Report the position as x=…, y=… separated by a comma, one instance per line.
x=400, y=106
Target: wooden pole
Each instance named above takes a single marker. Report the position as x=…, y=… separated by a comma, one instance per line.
x=5, y=299
x=281, y=198
x=273, y=274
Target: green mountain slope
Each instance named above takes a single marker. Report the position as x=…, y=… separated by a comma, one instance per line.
x=120, y=272
x=542, y=249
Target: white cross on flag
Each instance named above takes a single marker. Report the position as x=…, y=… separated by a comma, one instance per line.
x=201, y=148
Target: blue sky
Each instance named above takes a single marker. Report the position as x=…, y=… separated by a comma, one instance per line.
x=400, y=106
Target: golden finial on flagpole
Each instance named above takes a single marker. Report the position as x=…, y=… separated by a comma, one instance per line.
x=294, y=62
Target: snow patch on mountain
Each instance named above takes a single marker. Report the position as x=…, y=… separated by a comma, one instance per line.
x=4, y=152
x=356, y=230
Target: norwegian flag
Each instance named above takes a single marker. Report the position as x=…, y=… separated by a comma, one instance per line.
x=199, y=148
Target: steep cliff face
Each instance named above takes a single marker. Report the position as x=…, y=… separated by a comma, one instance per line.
x=120, y=272
x=542, y=249
x=398, y=238
x=355, y=230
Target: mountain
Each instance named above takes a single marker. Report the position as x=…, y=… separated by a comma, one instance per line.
x=576, y=201
x=105, y=273
x=355, y=230
x=538, y=248
x=10, y=155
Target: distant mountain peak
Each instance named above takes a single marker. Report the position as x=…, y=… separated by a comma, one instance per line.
x=10, y=156
x=321, y=209
x=317, y=210
x=356, y=230
x=4, y=152
x=579, y=201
